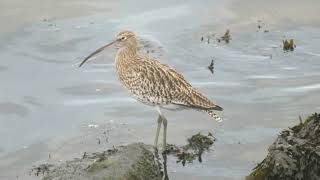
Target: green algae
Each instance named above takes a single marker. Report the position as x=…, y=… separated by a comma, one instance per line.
x=197, y=145
x=226, y=37
x=288, y=45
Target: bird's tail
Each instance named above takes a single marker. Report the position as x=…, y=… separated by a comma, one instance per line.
x=214, y=116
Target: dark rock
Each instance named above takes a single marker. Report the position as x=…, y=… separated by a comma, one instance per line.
x=132, y=162
x=295, y=155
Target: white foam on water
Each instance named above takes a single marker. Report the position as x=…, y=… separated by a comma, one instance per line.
x=300, y=89
x=313, y=54
x=264, y=77
x=84, y=102
x=289, y=68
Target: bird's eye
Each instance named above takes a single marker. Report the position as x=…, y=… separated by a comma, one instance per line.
x=123, y=38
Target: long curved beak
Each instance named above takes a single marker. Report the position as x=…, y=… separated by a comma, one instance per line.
x=96, y=52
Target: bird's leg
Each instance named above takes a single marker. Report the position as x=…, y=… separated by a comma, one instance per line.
x=165, y=122
x=158, y=131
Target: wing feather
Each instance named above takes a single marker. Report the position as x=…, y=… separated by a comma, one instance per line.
x=161, y=84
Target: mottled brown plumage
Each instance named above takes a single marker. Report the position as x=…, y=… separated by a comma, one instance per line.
x=153, y=83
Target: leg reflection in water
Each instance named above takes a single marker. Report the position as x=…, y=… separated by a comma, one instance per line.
x=165, y=177
x=164, y=163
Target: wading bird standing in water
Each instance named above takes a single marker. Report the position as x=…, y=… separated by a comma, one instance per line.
x=153, y=83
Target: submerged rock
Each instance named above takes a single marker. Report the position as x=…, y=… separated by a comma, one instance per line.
x=295, y=155
x=133, y=162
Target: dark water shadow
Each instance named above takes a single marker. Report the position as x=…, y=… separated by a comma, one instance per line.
x=13, y=108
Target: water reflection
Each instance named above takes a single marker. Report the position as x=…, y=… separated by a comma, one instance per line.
x=165, y=175
x=163, y=165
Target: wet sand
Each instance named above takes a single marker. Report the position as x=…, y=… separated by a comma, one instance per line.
x=48, y=106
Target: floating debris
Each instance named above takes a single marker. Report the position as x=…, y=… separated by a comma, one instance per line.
x=260, y=26
x=288, y=45
x=211, y=66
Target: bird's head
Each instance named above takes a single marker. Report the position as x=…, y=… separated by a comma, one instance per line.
x=124, y=39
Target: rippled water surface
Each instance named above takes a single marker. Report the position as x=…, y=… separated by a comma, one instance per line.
x=50, y=106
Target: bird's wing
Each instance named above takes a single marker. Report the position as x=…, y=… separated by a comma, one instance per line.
x=163, y=84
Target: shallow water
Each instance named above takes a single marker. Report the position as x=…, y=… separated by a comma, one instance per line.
x=50, y=106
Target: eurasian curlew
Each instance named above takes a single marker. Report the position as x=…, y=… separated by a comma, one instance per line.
x=153, y=83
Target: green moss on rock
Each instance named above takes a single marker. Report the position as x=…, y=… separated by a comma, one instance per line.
x=260, y=172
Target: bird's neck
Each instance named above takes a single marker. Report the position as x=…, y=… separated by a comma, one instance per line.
x=125, y=56
x=126, y=53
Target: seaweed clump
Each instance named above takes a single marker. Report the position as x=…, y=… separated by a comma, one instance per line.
x=288, y=45
x=226, y=37
x=295, y=155
x=197, y=145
